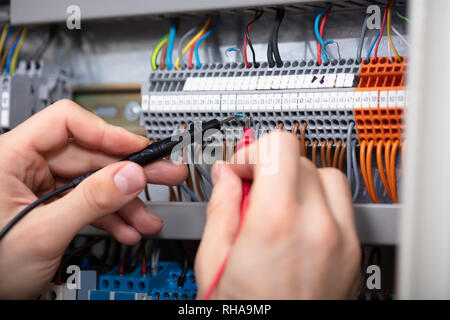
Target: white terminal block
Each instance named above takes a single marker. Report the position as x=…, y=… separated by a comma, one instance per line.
x=217, y=102
x=270, y=101
x=341, y=99
x=373, y=99
x=322, y=81
x=301, y=101
x=230, y=83
x=340, y=80
x=277, y=102
x=275, y=82
x=348, y=80
x=357, y=99
x=349, y=100
x=317, y=100
x=145, y=102
x=255, y=101
x=252, y=83
x=263, y=101
x=4, y=118
x=232, y=102
x=330, y=80
x=58, y=292
x=392, y=99
x=286, y=101
x=202, y=102
x=247, y=102
x=365, y=101
x=187, y=84
x=325, y=100
x=239, y=102
x=299, y=82
x=292, y=79
x=309, y=100
x=195, y=102
x=383, y=99
x=333, y=100
x=245, y=84
x=401, y=98
x=307, y=81
x=152, y=103
x=225, y=102
x=238, y=83
x=315, y=82
x=261, y=82
x=284, y=83
x=293, y=101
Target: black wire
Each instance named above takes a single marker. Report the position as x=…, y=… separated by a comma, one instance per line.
x=257, y=15
x=278, y=19
x=182, y=277
x=39, y=201
x=44, y=46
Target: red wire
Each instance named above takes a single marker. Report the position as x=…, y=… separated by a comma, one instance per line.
x=322, y=26
x=382, y=30
x=245, y=40
x=191, y=51
x=247, y=138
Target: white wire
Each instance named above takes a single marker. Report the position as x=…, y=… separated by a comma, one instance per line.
x=400, y=36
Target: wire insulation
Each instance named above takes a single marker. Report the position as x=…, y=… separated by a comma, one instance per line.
x=205, y=36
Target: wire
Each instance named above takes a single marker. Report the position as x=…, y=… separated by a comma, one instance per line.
x=162, y=58
x=387, y=159
x=234, y=49
x=389, y=32
x=38, y=202
x=351, y=125
x=180, y=47
x=205, y=36
x=322, y=153
x=375, y=54
x=144, y=258
x=322, y=26
x=154, y=259
x=196, y=175
x=336, y=153
x=361, y=40
x=314, y=152
x=189, y=192
x=3, y=36
x=329, y=149
x=256, y=16
x=362, y=161
x=158, y=47
x=172, y=35
x=274, y=51
x=13, y=65
x=182, y=277
x=380, y=167
x=393, y=179
x=257, y=128
x=371, y=186
x=316, y=30
x=342, y=155
x=398, y=13
x=37, y=56
x=192, y=42
x=355, y=170
x=8, y=49
x=401, y=36
x=302, y=137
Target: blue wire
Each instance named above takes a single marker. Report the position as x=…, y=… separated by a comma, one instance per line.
x=8, y=34
x=11, y=53
x=172, y=35
x=214, y=26
x=373, y=45
x=316, y=30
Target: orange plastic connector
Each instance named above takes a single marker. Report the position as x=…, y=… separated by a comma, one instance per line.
x=380, y=74
x=379, y=123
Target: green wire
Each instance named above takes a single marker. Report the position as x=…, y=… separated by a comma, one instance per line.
x=398, y=13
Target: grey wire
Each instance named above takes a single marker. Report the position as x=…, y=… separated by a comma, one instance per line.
x=351, y=125
x=361, y=40
x=355, y=170
x=154, y=261
x=257, y=128
x=201, y=174
x=182, y=41
x=192, y=195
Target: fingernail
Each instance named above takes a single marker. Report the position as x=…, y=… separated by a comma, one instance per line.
x=216, y=171
x=129, y=179
x=144, y=140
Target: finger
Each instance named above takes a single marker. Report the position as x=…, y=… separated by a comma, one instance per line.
x=103, y=193
x=73, y=160
x=118, y=228
x=339, y=198
x=221, y=224
x=166, y=172
x=65, y=120
x=136, y=214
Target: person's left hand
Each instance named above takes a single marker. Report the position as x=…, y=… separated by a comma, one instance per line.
x=47, y=151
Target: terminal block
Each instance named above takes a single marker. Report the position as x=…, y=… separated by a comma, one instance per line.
x=322, y=96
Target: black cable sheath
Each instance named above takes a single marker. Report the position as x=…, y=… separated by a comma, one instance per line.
x=247, y=34
x=39, y=201
x=278, y=19
x=182, y=277
x=44, y=46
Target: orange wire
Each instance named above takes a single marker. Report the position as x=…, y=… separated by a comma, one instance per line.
x=302, y=138
x=280, y=126
x=322, y=153
x=329, y=149
x=314, y=152
x=380, y=167
x=307, y=143
x=295, y=129
x=372, y=193
x=342, y=155
x=387, y=159
x=362, y=160
x=336, y=153
x=403, y=154
x=393, y=173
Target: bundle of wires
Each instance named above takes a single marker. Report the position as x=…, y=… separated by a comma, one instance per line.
x=321, y=45
x=37, y=56
x=157, y=49
x=11, y=53
x=273, y=54
x=256, y=16
x=203, y=37
x=376, y=41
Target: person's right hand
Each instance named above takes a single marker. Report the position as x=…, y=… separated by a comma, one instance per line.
x=298, y=240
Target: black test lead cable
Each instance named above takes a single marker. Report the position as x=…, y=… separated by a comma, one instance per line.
x=273, y=54
x=150, y=154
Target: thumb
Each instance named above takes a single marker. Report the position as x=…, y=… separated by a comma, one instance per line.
x=222, y=223
x=103, y=193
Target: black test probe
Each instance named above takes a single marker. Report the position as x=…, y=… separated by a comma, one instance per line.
x=152, y=153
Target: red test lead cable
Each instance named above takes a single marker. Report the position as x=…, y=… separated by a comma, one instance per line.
x=248, y=137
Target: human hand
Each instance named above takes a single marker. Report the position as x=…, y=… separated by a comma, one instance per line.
x=298, y=240
x=47, y=151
